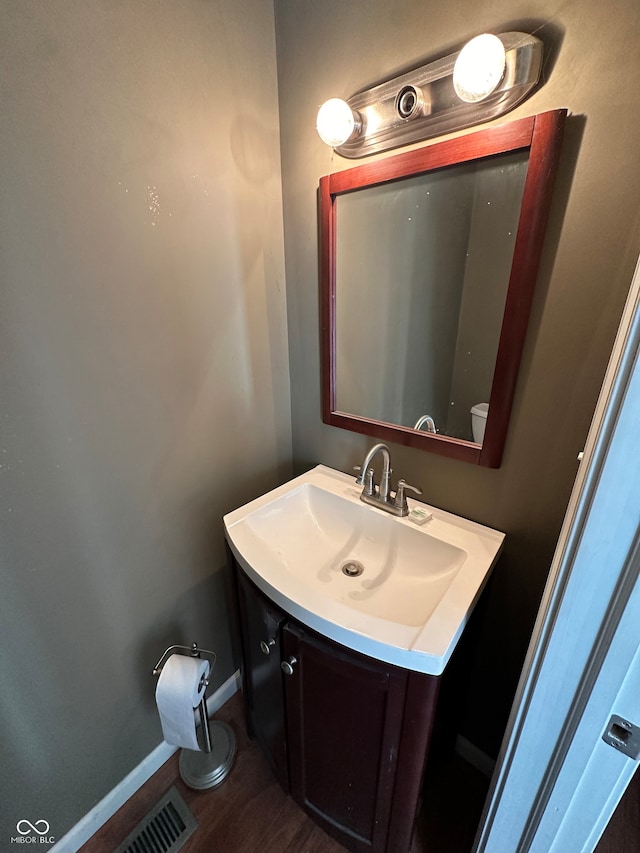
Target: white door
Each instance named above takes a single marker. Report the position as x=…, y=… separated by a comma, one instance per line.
x=557, y=782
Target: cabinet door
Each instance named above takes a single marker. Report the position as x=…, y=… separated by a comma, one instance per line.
x=344, y=717
x=260, y=624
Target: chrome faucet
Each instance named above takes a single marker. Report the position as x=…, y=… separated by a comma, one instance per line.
x=381, y=496
x=426, y=421
x=366, y=474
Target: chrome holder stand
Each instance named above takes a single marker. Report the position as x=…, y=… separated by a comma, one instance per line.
x=211, y=766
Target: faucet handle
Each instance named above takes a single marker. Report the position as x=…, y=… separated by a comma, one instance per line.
x=400, y=500
x=365, y=479
x=369, y=484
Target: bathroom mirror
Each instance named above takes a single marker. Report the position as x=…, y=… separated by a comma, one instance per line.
x=428, y=266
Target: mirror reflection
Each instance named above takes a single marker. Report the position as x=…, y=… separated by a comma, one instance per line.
x=422, y=271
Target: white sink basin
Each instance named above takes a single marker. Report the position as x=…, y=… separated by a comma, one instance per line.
x=378, y=584
x=314, y=533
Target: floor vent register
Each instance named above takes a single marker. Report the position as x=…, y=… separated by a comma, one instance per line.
x=164, y=830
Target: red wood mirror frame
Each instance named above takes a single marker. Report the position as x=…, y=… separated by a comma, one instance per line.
x=541, y=135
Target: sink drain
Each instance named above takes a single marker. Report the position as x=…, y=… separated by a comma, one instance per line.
x=352, y=568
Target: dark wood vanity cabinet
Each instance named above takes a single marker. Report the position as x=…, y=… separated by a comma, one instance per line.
x=260, y=625
x=346, y=735
x=344, y=716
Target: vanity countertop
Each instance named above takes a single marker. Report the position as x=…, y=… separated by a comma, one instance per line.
x=383, y=586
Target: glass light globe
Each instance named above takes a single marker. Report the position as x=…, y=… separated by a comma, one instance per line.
x=479, y=68
x=336, y=122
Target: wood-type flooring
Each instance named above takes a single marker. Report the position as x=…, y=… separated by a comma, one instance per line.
x=249, y=812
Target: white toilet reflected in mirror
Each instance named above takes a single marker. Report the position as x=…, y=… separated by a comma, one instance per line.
x=479, y=414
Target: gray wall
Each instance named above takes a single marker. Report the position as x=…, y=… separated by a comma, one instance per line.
x=144, y=380
x=335, y=48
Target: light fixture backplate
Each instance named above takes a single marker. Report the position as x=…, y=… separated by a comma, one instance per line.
x=439, y=110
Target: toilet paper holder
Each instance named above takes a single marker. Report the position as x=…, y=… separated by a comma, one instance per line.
x=209, y=768
x=194, y=651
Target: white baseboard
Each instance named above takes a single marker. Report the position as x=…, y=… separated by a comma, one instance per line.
x=118, y=796
x=475, y=756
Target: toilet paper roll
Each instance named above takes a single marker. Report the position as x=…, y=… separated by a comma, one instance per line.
x=177, y=695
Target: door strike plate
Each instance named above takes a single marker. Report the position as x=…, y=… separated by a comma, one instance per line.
x=624, y=736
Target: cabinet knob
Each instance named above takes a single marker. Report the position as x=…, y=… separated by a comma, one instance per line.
x=287, y=665
x=266, y=646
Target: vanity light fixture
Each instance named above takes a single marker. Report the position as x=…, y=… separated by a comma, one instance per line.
x=483, y=80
